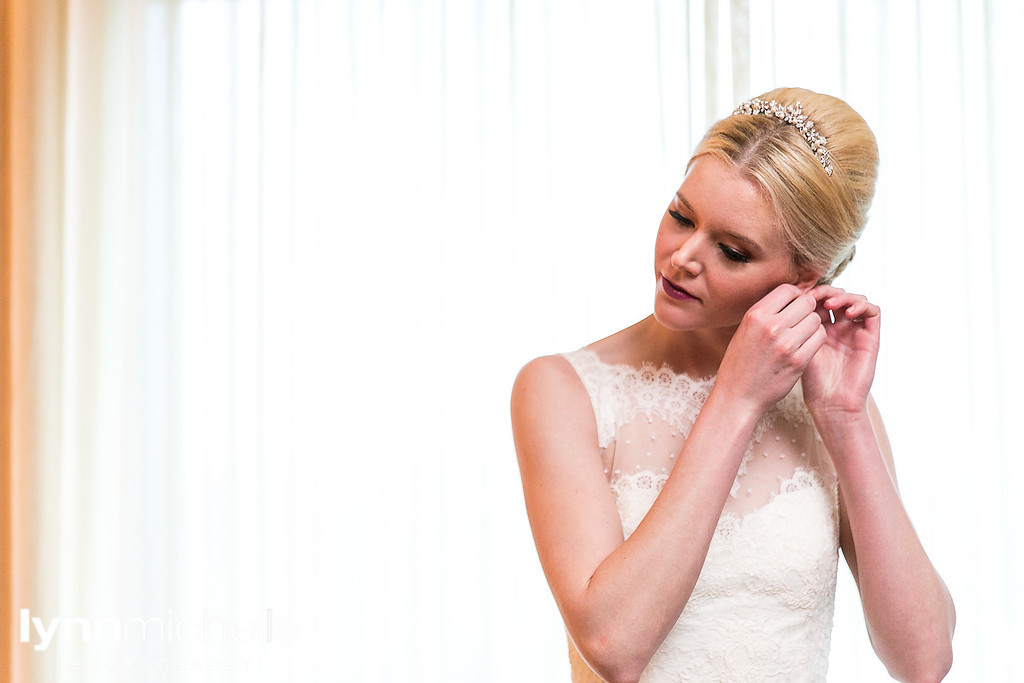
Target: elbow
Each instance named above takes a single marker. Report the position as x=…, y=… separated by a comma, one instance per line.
x=928, y=656
x=944, y=662
x=611, y=659
x=617, y=672
x=930, y=674
x=625, y=675
x=940, y=664
x=930, y=667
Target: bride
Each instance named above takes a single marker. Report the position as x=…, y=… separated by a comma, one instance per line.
x=690, y=479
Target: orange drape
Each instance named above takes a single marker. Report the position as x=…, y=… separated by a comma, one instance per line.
x=7, y=596
x=31, y=93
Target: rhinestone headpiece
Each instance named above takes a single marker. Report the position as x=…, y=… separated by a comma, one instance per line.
x=792, y=115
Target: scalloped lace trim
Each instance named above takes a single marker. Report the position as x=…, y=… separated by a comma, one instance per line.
x=657, y=393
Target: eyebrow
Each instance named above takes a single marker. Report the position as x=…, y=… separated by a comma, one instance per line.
x=741, y=238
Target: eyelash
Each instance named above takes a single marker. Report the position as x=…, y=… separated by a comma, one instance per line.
x=680, y=218
x=733, y=255
x=728, y=252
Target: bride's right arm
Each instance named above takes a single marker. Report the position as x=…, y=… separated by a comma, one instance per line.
x=618, y=599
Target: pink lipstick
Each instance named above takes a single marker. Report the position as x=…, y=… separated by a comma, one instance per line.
x=677, y=293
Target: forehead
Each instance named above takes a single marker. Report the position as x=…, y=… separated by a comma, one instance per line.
x=724, y=199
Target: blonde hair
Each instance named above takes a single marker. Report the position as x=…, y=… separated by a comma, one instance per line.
x=821, y=215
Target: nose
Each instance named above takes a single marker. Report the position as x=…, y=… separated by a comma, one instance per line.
x=687, y=256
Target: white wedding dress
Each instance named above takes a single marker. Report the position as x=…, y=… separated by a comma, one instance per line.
x=762, y=607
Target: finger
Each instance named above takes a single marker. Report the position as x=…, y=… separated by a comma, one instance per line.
x=863, y=309
x=798, y=309
x=854, y=306
x=856, y=310
x=779, y=298
x=834, y=303
x=805, y=328
x=811, y=345
x=873, y=323
x=803, y=340
x=869, y=324
x=826, y=297
x=822, y=292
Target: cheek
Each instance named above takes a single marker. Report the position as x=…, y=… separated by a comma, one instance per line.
x=754, y=291
x=663, y=248
x=743, y=295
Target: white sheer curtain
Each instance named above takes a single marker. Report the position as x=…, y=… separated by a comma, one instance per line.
x=302, y=249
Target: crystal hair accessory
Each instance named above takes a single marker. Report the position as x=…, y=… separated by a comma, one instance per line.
x=794, y=116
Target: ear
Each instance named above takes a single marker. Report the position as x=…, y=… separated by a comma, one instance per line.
x=806, y=279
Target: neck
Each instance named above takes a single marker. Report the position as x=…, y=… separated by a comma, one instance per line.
x=697, y=353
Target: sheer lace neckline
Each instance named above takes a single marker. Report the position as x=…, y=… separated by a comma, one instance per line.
x=644, y=415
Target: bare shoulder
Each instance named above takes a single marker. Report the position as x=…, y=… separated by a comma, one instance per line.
x=545, y=378
x=548, y=396
x=543, y=371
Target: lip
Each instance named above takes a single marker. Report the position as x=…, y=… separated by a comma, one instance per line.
x=676, y=292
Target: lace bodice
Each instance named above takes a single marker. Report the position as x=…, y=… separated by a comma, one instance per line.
x=762, y=606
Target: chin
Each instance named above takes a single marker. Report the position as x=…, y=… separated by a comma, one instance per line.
x=675, y=319
x=671, y=318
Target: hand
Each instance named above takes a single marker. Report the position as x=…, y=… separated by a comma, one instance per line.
x=776, y=339
x=837, y=380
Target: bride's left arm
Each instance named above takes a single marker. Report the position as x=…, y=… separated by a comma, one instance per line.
x=908, y=609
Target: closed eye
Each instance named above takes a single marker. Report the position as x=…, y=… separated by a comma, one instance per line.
x=680, y=218
x=728, y=252
x=732, y=254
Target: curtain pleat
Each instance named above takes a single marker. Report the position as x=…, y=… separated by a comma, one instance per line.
x=739, y=14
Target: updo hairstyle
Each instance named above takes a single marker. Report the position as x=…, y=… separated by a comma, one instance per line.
x=821, y=215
